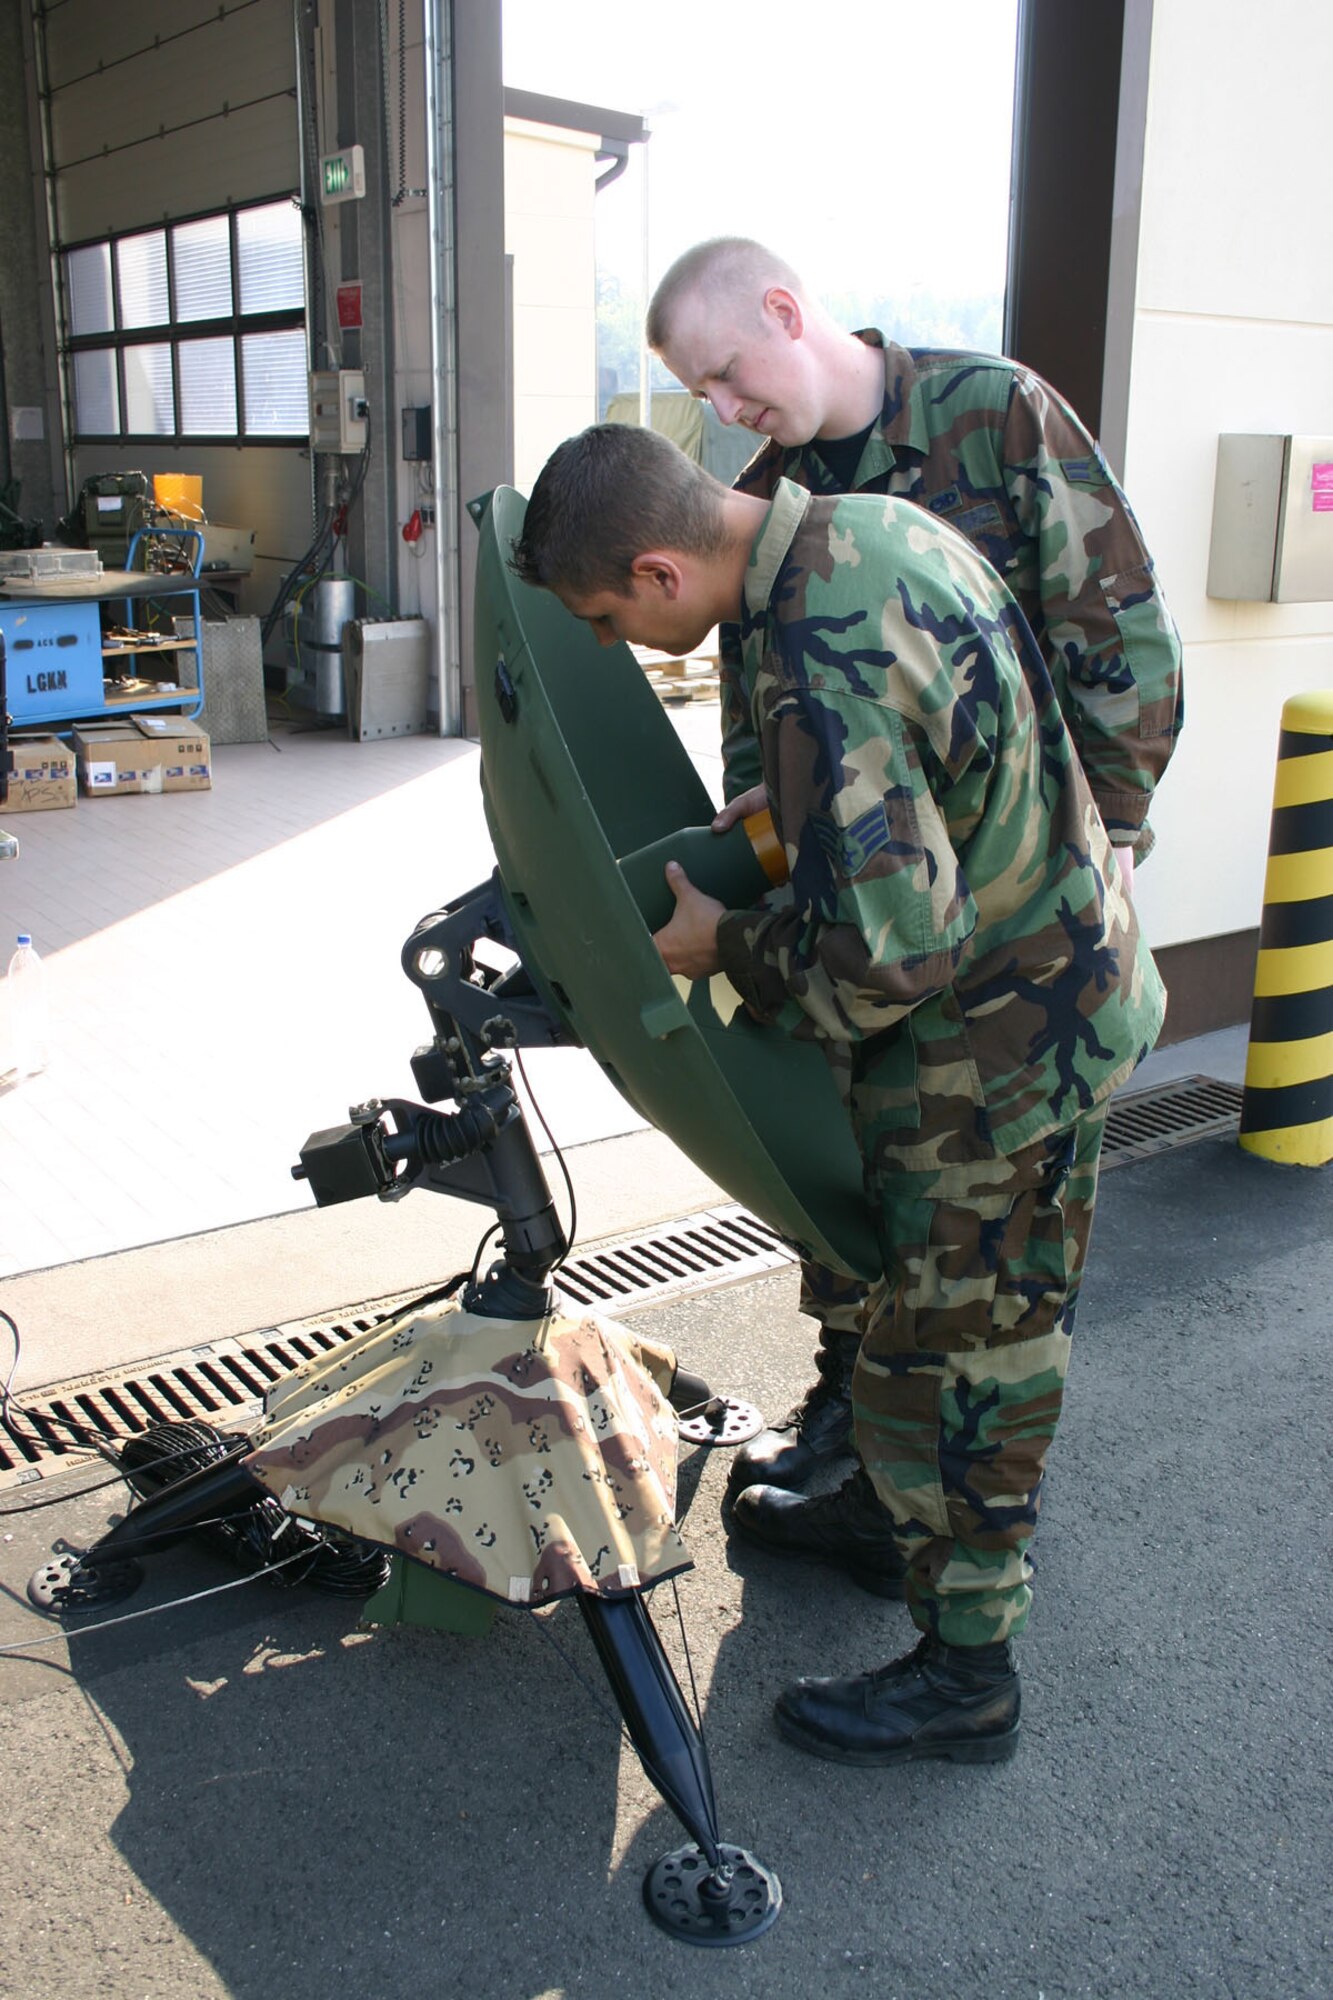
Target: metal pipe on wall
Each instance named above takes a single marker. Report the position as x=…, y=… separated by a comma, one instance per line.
x=314, y=259
x=52, y=306
x=645, y=357
x=438, y=38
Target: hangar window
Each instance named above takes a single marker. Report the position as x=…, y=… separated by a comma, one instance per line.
x=194, y=330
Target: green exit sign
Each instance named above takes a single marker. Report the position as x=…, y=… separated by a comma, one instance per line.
x=342, y=176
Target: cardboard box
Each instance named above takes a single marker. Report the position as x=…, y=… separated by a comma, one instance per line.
x=43, y=774
x=143, y=753
x=106, y=757
x=185, y=753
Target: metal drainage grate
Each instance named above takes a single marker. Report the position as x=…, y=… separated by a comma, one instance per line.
x=720, y=1246
x=225, y=1381
x=1168, y=1115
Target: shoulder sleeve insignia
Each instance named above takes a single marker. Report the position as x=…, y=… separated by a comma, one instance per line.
x=863, y=839
x=1091, y=471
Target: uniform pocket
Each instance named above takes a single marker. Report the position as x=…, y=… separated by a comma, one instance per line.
x=982, y=1273
x=1131, y=599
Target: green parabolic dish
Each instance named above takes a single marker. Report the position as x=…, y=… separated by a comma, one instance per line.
x=581, y=768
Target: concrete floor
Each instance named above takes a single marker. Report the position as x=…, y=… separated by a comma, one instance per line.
x=224, y=979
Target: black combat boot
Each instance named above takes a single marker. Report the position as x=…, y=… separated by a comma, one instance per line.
x=850, y=1530
x=820, y=1426
x=960, y=1702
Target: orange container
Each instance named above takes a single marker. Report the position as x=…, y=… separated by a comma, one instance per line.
x=182, y=492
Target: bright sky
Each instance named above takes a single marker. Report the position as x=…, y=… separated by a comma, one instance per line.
x=867, y=141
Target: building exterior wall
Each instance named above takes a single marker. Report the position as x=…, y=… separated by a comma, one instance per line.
x=1232, y=331
x=549, y=232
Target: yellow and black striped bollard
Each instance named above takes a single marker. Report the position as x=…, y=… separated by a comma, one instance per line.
x=1287, y=1109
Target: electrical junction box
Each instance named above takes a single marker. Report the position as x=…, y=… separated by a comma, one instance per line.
x=416, y=433
x=338, y=410
x=1272, y=539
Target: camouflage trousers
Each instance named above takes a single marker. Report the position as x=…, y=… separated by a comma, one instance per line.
x=961, y=1372
x=840, y=1304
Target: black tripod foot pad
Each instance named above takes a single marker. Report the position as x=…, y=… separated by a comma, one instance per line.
x=731, y=1904
x=67, y=1583
x=723, y=1420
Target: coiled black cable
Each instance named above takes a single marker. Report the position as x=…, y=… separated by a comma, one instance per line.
x=261, y=1535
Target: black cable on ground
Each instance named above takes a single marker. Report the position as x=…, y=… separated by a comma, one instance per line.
x=257, y=1538
x=83, y=1435
x=19, y=1646
x=261, y=1535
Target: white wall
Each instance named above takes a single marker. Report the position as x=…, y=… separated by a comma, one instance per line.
x=1233, y=331
x=550, y=234
x=550, y=177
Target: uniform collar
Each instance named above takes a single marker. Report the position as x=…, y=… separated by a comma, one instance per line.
x=786, y=511
x=901, y=420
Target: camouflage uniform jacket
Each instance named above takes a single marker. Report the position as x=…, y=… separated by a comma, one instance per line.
x=956, y=911
x=990, y=448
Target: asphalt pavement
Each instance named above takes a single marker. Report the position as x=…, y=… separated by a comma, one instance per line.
x=249, y=1795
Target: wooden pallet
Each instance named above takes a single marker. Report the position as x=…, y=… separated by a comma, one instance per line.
x=673, y=681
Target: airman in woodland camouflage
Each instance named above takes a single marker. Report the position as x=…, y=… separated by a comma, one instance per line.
x=990, y=448
x=958, y=928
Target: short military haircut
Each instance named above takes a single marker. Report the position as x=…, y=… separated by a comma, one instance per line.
x=607, y=496
x=727, y=271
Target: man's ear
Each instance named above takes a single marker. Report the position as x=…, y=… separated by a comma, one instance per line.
x=786, y=310
x=660, y=570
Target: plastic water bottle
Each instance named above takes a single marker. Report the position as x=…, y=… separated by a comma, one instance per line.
x=29, y=1009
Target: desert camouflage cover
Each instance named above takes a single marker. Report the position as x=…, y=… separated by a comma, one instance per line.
x=527, y=1458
